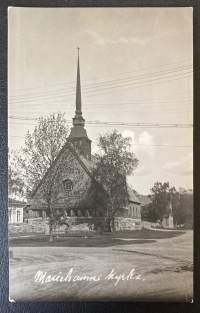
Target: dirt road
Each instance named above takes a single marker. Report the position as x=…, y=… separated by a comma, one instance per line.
x=151, y=271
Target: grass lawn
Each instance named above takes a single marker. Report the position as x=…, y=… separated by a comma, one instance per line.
x=93, y=240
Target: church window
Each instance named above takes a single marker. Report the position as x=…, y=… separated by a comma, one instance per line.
x=68, y=185
x=18, y=216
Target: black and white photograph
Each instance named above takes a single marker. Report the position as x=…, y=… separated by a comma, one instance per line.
x=100, y=154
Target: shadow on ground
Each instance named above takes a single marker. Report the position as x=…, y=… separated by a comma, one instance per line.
x=76, y=242
x=93, y=240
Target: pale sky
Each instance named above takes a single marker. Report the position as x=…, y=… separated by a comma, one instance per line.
x=136, y=67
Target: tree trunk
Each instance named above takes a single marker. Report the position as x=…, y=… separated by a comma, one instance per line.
x=50, y=224
x=112, y=223
x=109, y=225
x=50, y=233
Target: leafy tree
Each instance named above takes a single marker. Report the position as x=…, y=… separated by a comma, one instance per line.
x=183, y=210
x=182, y=204
x=49, y=194
x=37, y=156
x=16, y=186
x=162, y=193
x=41, y=148
x=114, y=162
x=148, y=213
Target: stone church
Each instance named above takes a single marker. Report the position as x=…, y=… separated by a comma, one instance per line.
x=69, y=186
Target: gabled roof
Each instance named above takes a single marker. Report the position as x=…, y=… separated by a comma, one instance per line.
x=145, y=200
x=86, y=165
x=132, y=195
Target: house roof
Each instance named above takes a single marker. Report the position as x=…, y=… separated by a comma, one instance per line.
x=16, y=203
x=132, y=195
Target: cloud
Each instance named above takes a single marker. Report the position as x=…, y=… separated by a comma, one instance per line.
x=142, y=171
x=129, y=133
x=145, y=138
x=97, y=38
x=100, y=40
x=146, y=144
x=134, y=146
x=182, y=167
x=128, y=40
x=143, y=145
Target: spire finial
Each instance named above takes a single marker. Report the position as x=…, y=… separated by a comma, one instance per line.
x=78, y=54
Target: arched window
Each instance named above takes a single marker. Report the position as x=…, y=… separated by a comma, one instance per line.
x=68, y=185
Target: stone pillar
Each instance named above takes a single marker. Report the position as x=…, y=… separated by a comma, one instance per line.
x=43, y=214
x=66, y=213
x=87, y=213
x=71, y=212
x=79, y=213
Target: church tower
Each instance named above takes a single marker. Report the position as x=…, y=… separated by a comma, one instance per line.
x=78, y=135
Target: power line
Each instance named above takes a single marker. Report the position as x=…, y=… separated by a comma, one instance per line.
x=149, y=125
x=147, y=145
x=62, y=100
x=164, y=103
x=184, y=106
x=179, y=64
x=104, y=86
x=108, y=85
x=133, y=86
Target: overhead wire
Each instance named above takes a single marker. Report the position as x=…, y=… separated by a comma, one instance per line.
x=133, y=70
x=108, y=85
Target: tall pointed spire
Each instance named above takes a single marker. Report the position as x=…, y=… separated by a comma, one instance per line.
x=78, y=119
x=78, y=135
x=78, y=89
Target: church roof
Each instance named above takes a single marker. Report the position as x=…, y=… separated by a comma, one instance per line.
x=86, y=164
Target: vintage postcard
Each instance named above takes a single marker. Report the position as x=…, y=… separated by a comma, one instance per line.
x=100, y=199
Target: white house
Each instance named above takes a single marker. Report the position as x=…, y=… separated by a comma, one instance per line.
x=15, y=211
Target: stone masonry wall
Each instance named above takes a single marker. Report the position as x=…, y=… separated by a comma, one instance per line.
x=125, y=223
x=75, y=224
x=35, y=225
